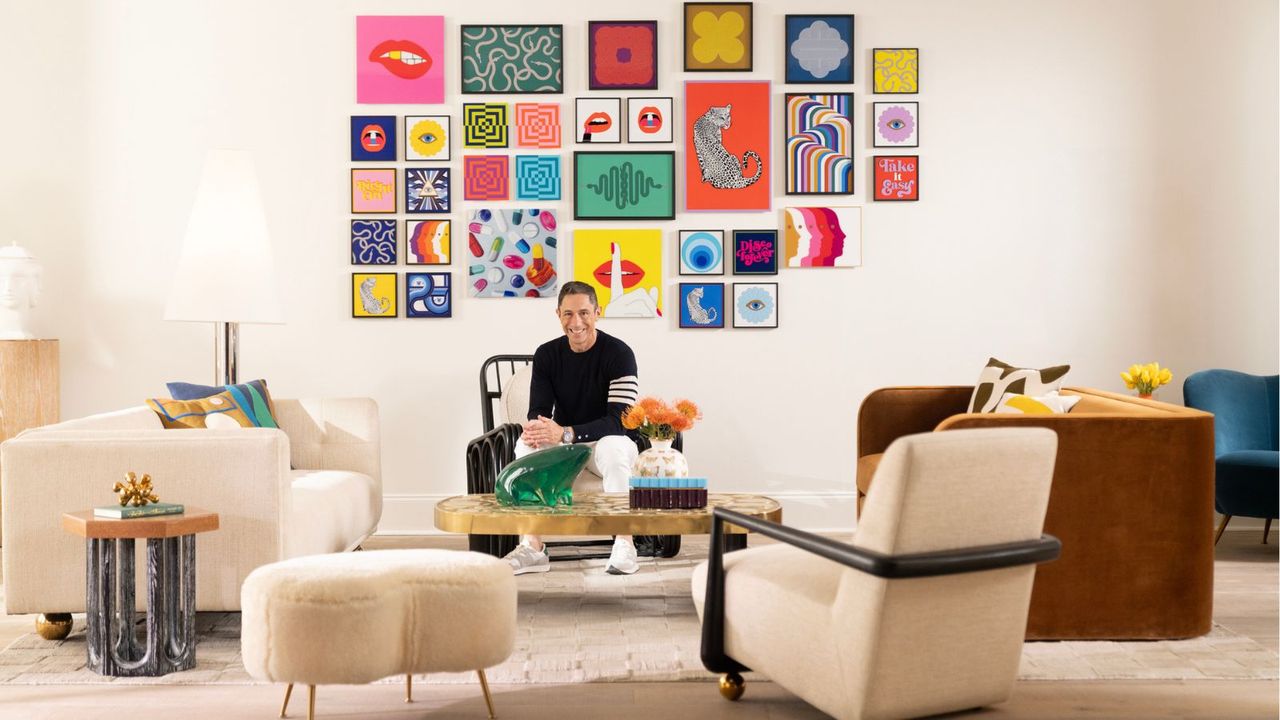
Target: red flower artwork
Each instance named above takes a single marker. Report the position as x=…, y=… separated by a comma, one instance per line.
x=624, y=55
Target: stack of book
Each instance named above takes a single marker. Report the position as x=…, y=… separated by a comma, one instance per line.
x=663, y=493
x=125, y=512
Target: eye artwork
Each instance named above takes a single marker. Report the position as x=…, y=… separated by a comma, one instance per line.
x=896, y=124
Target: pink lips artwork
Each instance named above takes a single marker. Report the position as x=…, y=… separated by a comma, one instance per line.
x=402, y=58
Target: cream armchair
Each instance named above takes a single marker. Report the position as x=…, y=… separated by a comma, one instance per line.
x=923, y=613
x=330, y=501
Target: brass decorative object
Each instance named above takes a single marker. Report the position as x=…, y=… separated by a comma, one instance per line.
x=139, y=492
x=53, y=626
x=732, y=686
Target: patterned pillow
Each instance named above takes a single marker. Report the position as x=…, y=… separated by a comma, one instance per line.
x=998, y=378
x=219, y=411
x=252, y=397
x=1043, y=405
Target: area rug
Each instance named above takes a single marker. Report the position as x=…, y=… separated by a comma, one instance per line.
x=579, y=624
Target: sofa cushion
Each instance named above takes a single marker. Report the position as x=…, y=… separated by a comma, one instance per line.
x=1248, y=483
x=1047, y=404
x=332, y=510
x=220, y=411
x=252, y=396
x=998, y=378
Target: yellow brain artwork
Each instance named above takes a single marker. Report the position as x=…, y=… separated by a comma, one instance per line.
x=718, y=37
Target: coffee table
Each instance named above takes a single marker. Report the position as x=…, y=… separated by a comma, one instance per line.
x=598, y=514
x=171, y=590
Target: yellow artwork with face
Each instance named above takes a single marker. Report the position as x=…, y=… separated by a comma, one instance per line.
x=624, y=267
x=373, y=295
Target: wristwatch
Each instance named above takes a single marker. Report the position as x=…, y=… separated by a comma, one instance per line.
x=567, y=437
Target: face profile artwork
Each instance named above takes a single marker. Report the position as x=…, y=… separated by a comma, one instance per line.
x=624, y=267
x=426, y=190
x=727, y=147
x=400, y=59
x=649, y=120
x=598, y=120
x=822, y=237
x=512, y=59
x=20, y=285
x=428, y=295
x=819, y=144
x=427, y=242
x=427, y=137
x=512, y=253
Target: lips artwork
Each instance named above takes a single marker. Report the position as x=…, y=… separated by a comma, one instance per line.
x=625, y=269
x=400, y=59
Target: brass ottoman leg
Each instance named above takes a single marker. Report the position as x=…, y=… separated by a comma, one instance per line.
x=732, y=686
x=488, y=700
x=408, y=687
x=311, y=702
x=56, y=626
x=285, y=707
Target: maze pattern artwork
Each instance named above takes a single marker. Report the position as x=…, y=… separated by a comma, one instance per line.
x=484, y=125
x=537, y=177
x=487, y=177
x=537, y=125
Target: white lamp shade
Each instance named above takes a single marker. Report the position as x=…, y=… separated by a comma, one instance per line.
x=226, y=272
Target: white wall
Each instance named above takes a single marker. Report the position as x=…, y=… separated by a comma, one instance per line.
x=1099, y=187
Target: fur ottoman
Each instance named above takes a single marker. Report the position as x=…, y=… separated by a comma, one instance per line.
x=354, y=618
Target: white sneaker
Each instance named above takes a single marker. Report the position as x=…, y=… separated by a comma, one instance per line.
x=622, y=561
x=524, y=559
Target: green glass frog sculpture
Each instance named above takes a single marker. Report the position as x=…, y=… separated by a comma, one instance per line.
x=544, y=477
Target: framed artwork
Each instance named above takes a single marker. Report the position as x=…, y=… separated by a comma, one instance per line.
x=649, y=119
x=896, y=124
x=512, y=253
x=897, y=70
x=427, y=137
x=428, y=295
x=486, y=177
x=373, y=242
x=427, y=242
x=426, y=190
x=624, y=267
x=512, y=59
x=727, y=145
x=373, y=295
x=400, y=59
x=819, y=144
x=373, y=190
x=599, y=120
x=819, y=49
x=622, y=55
x=897, y=177
x=701, y=305
x=373, y=138
x=755, y=305
x=624, y=185
x=822, y=237
x=717, y=36
x=755, y=252
x=537, y=177
x=701, y=252
x=484, y=125
x=537, y=125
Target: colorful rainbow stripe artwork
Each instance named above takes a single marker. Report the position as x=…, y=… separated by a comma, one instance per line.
x=819, y=144
x=428, y=242
x=822, y=237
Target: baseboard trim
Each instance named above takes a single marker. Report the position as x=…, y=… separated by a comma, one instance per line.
x=833, y=512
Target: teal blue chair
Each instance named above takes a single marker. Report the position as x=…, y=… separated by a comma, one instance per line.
x=1246, y=449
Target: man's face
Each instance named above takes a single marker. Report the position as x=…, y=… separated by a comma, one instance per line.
x=578, y=319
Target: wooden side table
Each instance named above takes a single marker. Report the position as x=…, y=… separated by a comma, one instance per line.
x=28, y=385
x=171, y=590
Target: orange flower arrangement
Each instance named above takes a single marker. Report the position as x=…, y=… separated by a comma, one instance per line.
x=657, y=420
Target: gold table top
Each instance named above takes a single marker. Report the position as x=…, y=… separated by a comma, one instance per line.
x=595, y=514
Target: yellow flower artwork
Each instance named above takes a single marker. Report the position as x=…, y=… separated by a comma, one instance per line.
x=717, y=36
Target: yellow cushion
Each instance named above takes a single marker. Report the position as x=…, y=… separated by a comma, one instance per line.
x=215, y=411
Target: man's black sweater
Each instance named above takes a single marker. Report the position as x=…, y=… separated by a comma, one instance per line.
x=587, y=391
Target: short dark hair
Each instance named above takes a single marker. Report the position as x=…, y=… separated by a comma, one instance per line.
x=575, y=287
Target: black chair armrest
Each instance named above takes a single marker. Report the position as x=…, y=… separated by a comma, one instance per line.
x=909, y=565
x=488, y=454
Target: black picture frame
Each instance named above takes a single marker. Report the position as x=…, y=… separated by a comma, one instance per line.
x=395, y=296
x=578, y=155
x=448, y=182
x=462, y=52
x=577, y=122
x=680, y=253
x=395, y=190
x=751, y=37
x=777, y=310
x=786, y=162
x=874, y=184
x=680, y=298
x=448, y=138
x=771, y=268
x=591, y=53
x=395, y=236
x=669, y=120
x=875, y=114
x=875, y=90
x=786, y=49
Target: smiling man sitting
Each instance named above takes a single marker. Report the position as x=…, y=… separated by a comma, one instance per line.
x=582, y=383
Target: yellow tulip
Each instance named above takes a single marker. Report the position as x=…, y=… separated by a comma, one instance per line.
x=1127, y=378
x=1145, y=375
x=1165, y=376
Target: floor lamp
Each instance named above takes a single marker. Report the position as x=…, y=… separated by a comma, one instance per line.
x=225, y=274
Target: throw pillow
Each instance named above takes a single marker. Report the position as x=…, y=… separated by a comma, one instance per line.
x=1041, y=405
x=216, y=411
x=998, y=378
x=252, y=397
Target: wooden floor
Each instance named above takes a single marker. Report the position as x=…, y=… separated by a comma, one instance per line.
x=1245, y=600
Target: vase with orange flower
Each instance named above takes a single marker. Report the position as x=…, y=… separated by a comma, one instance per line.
x=659, y=422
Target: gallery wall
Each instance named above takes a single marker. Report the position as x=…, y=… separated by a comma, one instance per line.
x=1098, y=187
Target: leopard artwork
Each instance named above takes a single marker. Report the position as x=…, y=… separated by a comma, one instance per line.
x=720, y=168
x=372, y=305
x=698, y=314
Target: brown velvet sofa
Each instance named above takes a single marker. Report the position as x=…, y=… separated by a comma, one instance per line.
x=1131, y=501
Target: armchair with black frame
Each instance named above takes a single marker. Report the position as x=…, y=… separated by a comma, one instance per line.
x=923, y=613
x=504, y=402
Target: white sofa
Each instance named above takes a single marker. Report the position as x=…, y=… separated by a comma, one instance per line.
x=268, y=512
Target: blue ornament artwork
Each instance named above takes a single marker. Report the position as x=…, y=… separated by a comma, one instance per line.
x=428, y=295
x=701, y=252
x=819, y=49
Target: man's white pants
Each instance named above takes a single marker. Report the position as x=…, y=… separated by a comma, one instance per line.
x=611, y=458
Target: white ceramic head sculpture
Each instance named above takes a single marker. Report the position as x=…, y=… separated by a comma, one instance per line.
x=19, y=292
